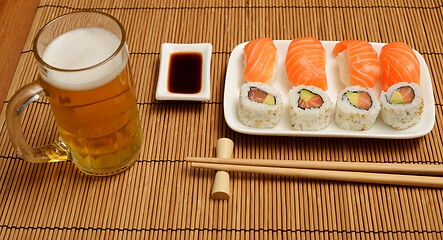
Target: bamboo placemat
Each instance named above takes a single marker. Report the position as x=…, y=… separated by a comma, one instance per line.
x=162, y=197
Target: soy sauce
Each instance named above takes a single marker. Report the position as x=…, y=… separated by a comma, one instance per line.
x=185, y=72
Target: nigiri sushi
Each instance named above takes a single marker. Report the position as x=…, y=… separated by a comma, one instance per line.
x=306, y=63
x=358, y=63
x=399, y=64
x=401, y=97
x=260, y=60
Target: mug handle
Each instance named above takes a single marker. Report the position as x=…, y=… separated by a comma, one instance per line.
x=54, y=152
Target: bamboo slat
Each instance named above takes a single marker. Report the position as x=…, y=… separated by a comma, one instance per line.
x=161, y=196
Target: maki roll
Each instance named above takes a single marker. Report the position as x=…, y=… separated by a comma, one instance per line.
x=260, y=105
x=402, y=105
x=310, y=108
x=357, y=108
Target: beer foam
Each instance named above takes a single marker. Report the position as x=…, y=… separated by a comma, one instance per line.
x=80, y=49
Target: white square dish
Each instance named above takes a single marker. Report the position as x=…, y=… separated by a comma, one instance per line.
x=167, y=49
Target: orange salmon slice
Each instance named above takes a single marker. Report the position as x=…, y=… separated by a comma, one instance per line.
x=257, y=95
x=362, y=100
x=399, y=64
x=407, y=94
x=305, y=63
x=364, y=66
x=260, y=60
x=314, y=102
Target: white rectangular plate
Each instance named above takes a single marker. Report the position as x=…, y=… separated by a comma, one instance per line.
x=234, y=81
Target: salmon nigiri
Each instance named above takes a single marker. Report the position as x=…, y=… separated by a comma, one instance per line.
x=306, y=63
x=260, y=60
x=399, y=64
x=358, y=63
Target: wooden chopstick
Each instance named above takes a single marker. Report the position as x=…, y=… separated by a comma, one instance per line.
x=361, y=177
x=399, y=168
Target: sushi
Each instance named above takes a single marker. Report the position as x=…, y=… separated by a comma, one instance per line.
x=310, y=108
x=260, y=105
x=309, y=105
x=402, y=105
x=305, y=63
x=357, y=108
x=357, y=105
x=401, y=97
x=399, y=64
x=260, y=60
x=358, y=63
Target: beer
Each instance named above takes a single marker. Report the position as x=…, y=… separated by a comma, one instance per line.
x=92, y=99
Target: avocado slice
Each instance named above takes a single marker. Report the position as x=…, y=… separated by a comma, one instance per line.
x=353, y=98
x=396, y=98
x=305, y=95
x=270, y=100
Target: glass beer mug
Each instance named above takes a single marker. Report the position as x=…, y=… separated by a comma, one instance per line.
x=84, y=71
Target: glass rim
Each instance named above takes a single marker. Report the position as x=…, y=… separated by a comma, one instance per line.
x=109, y=58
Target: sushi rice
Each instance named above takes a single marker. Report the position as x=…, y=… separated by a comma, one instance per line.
x=259, y=115
x=309, y=118
x=352, y=118
x=401, y=116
